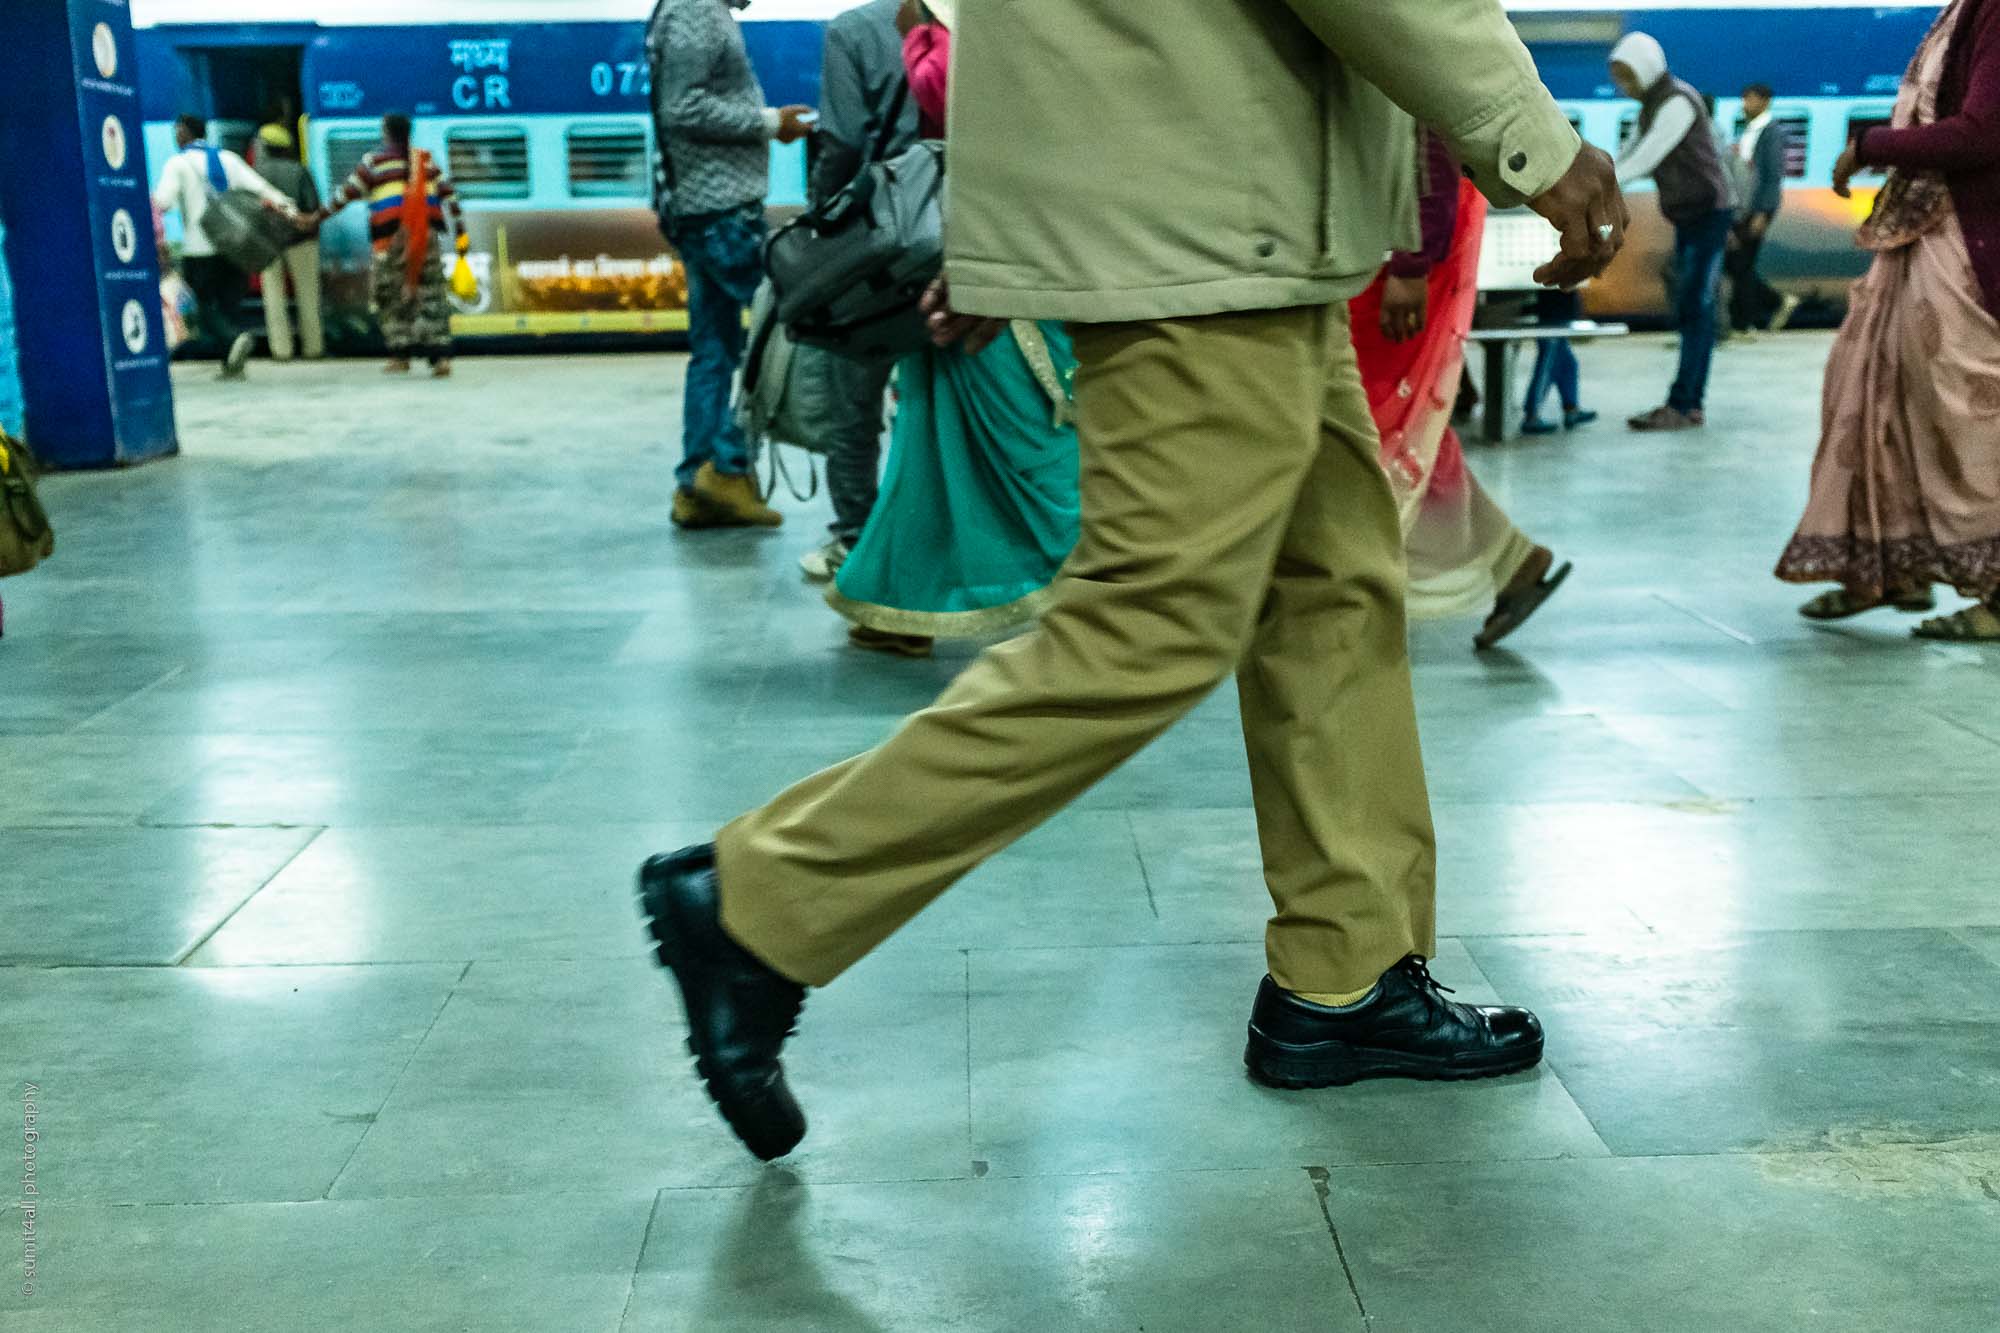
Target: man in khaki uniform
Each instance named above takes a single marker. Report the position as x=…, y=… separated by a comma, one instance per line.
x=1199, y=187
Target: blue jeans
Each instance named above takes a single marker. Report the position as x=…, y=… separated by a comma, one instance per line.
x=1699, y=247
x=724, y=255
x=1555, y=368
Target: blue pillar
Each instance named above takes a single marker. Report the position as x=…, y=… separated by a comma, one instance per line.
x=10, y=363
x=81, y=252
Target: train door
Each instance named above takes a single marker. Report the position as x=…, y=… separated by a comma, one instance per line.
x=243, y=87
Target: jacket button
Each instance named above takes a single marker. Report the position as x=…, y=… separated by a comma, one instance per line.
x=1266, y=248
x=1518, y=162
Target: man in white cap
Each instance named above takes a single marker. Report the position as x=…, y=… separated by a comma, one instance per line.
x=1677, y=147
x=1197, y=188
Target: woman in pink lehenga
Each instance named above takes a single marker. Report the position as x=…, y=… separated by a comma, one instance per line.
x=1906, y=486
x=1409, y=334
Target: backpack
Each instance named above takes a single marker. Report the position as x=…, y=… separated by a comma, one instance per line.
x=26, y=539
x=782, y=395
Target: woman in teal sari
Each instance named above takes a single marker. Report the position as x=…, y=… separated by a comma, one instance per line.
x=978, y=509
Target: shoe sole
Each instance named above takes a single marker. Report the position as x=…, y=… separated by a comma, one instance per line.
x=1299, y=1067
x=657, y=908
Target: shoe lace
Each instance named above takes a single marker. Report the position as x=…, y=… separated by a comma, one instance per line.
x=1418, y=969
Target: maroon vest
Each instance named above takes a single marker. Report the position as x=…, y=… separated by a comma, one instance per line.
x=1692, y=180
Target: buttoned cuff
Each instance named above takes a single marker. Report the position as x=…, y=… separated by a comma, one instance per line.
x=1520, y=153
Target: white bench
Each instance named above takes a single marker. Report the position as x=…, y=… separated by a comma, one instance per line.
x=1496, y=388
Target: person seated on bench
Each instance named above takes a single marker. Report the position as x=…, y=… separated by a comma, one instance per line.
x=1555, y=368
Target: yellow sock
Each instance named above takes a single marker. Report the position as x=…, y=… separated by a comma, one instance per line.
x=1335, y=1001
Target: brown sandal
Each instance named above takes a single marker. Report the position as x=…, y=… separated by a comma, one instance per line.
x=897, y=645
x=1975, y=624
x=1839, y=603
x=1522, y=598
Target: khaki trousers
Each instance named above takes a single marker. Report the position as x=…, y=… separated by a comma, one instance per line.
x=1235, y=520
x=302, y=262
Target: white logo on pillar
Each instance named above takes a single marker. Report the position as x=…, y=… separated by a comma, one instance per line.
x=104, y=47
x=114, y=142
x=124, y=236
x=135, y=327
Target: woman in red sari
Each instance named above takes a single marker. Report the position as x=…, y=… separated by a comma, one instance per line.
x=1409, y=333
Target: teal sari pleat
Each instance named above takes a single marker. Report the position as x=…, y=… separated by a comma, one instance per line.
x=978, y=506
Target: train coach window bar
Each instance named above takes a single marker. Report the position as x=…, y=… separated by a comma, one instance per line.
x=1860, y=122
x=608, y=162
x=488, y=162
x=1798, y=140
x=344, y=151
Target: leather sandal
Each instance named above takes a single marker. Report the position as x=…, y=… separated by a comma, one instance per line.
x=1522, y=597
x=1975, y=624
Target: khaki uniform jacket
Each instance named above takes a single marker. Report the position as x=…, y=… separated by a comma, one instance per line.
x=1120, y=160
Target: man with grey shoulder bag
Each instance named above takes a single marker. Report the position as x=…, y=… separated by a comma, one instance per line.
x=862, y=86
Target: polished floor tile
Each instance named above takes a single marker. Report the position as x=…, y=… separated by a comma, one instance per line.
x=329, y=762
x=1669, y=1245
x=129, y=895
x=413, y=1265
x=1131, y=1059
x=177, y=1085
x=1746, y=1043
x=1170, y=1252
x=445, y=893
x=575, y=1076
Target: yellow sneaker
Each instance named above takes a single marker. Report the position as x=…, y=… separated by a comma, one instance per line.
x=732, y=501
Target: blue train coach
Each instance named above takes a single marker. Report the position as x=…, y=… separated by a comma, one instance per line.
x=538, y=108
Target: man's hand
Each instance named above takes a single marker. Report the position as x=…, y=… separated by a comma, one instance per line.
x=793, y=124
x=1758, y=224
x=1405, y=302
x=1845, y=170
x=1587, y=207
x=948, y=327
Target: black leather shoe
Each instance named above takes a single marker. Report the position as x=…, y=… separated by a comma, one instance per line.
x=1407, y=1029
x=739, y=1011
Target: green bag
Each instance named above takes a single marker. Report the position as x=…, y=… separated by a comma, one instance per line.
x=25, y=536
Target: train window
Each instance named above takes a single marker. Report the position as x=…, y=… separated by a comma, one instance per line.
x=488, y=163
x=1798, y=140
x=344, y=151
x=1860, y=124
x=608, y=162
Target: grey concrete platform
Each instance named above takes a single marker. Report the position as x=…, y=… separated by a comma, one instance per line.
x=325, y=760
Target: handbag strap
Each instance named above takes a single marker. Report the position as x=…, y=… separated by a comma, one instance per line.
x=880, y=134
x=859, y=193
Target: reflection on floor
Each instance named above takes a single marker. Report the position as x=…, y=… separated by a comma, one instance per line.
x=327, y=758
